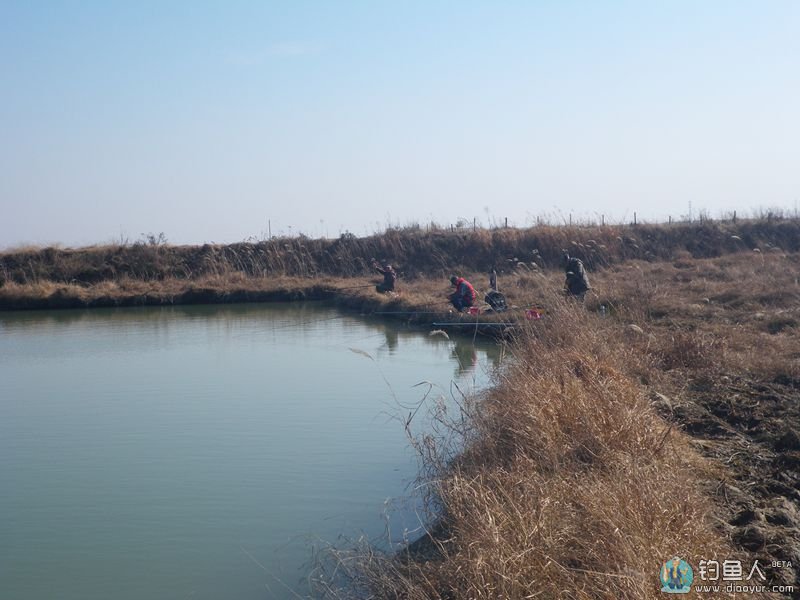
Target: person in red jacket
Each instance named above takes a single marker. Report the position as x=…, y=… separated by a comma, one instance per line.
x=464, y=296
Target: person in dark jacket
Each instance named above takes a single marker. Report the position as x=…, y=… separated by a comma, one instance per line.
x=389, y=277
x=576, y=282
x=464, y=296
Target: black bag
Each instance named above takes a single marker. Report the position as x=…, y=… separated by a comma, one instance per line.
x=497, y=301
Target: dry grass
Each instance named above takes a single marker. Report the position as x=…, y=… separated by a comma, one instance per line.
x=568, y=486
x=413, y=251
x=563, y=481
x=735, y=313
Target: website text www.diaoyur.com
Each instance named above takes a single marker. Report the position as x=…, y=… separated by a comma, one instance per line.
x=743, y=589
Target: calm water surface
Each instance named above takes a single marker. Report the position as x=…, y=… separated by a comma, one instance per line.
x=200, y=452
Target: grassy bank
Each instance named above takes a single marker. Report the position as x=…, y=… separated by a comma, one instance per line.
x=570, y=485
x=413, y=251
x=609, y=445
x=154, y=273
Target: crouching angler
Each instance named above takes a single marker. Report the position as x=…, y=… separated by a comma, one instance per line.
x=464, y=296
x=389, y=277
x=576, y=283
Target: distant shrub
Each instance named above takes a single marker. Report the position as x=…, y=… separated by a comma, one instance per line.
x=778, y=324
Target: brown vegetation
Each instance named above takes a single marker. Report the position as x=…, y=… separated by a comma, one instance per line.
x=570, y=485
x=612, y=444
x=413, y=251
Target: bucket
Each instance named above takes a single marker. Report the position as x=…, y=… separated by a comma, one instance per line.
x=474, y=310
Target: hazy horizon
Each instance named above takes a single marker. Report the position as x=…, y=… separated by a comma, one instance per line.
x=215, y=123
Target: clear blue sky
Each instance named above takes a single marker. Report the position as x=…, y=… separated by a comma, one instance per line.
x=206, y=120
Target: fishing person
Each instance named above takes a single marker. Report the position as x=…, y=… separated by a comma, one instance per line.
x=464, y=296
x=576, y=283
x=389, y=277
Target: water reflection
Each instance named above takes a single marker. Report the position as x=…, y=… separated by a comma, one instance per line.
x=466, y=355
x=273, y=322
x=391, y=338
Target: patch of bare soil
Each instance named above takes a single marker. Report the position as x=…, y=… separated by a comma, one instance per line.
x=752, y=428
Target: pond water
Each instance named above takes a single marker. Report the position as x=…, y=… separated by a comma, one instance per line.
x=203, y=451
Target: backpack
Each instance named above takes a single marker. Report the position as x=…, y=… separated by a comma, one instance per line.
x=496, y=300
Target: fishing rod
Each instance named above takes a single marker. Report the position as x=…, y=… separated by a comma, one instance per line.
x=474, y=324
x=353, y=287
x=407, y=312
